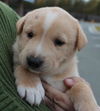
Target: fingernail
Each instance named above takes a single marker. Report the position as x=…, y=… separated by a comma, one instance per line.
x=69, y=82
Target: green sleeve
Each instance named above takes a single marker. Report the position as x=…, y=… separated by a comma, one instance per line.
x=9, y=98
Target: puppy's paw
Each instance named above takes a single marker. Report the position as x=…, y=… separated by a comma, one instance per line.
x=33, y=95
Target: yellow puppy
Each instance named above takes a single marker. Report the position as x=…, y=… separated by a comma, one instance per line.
x=45, y=48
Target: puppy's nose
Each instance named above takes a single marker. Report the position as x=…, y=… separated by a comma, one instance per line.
x=34, y=62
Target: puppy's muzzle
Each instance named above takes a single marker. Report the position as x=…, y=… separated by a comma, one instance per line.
x=34, y=62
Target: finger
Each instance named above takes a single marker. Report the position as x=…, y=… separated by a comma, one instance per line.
x=52, y=105
x=54, y=93
x=48, y=87
x=69, y=82
x=57, y=108
x=61, y=101
x=60, y=98
x=65, y=104
x=49, y=103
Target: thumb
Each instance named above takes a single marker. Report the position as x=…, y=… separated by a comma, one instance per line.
x=69, y=82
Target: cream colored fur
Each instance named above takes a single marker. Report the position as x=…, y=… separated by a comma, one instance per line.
x=60, y=62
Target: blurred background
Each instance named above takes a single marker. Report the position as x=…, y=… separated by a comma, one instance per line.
x=88, y=12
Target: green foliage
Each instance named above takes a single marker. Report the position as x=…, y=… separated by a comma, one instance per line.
x=92, y=7
x=78, y=6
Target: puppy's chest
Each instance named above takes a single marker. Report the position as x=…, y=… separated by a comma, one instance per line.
x=58, y=84
x=58, y=81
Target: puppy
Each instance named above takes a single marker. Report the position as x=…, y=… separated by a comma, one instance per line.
x=45, y=48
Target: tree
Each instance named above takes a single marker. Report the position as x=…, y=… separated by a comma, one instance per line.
x=91, y=6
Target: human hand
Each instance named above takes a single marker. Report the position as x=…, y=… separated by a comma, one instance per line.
x=60, y=101
x=57, y=100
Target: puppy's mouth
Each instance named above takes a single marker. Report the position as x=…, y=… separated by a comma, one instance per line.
x=37, y=71
x=41, y=70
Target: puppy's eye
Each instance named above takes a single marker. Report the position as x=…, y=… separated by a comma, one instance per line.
x=30, y=34
x=58, y=42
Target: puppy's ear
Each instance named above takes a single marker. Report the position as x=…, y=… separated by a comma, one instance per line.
x=81, y=38
x=20, y=24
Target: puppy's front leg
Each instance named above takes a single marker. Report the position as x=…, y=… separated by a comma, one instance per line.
x=82, y=97
x=29, y=85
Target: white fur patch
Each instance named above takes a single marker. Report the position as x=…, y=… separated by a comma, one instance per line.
x=39, y=48
x=50, y=18
x=64, y=37
x=32, y=95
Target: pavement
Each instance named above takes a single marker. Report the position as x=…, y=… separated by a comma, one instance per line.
x=89, y=59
